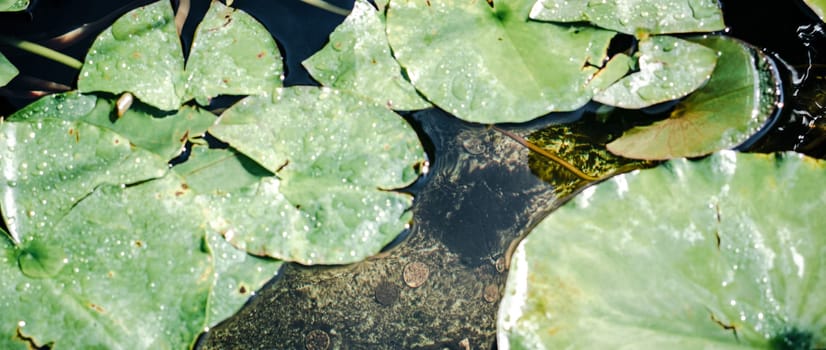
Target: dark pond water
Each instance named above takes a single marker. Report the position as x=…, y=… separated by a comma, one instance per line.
x=484, y=191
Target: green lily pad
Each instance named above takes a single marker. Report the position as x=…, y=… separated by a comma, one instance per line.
x=336, y=162
x=130, y=274
x=49, y=165
x=13, y=5
x=488, y=64
x=635, y=16
x=7, y=70
x=141, y=124
x=818, y=6
x=140, y=53
x=232, y=54
x=238, y=276
x=737, y=101
x=669, y=68
x=735, y=263
x=358, y=59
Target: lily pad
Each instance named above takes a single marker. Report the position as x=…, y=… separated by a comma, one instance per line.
x=130, y=274
x=818, y=6
x=232, y=54
x=736, y=263
x=336, y=165
x=635, y=16
x=669, y=68
x=7, y=70
x=238, y=276
x=141, y=124
x=49, y=165
x=488, y=64
x=140, y=53
x=737, y=102
x=358, y=59
x=13, y=5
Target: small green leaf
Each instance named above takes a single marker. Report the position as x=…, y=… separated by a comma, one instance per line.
x=232, y=54
x=13, y=5
x=358, y=59
x=336, y=163
x=131, y=274
x=7, y=70
x=635, y=16
x=722, y=253
x=140, y=53
x=737, y=101
x=669, y=68
x=488, y=64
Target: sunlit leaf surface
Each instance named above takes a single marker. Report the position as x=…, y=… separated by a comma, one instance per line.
x=139, y=53
x=722, y=253
x=489, y=64
x=121, y=268
x=358, y=59
x=336, y=164
x=669, y=68
x=737, y=102
x=232, y=54
x=50, y=164
x=635, y=16
x=7, y=70
x=13, y=5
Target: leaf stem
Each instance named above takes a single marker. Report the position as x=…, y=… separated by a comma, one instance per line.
x=42, y=51
x=326, y=6
x=570, y=167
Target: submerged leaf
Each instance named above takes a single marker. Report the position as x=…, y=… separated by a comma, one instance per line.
x=358, y=59
x=635, y=16
x=488, y=64
x=737, y=101
x=337, y=164
x=722, y=253
x=7, y=70
x=669, y=68
x=130, y=272
x=140, y=53
x=232, y=54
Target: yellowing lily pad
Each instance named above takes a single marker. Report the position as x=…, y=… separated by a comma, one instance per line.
x=635, y=16
x=737, y=101
x=722, y=253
